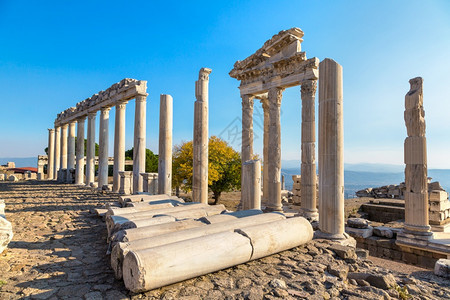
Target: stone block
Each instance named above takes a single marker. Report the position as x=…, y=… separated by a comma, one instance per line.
x=2, y=177
x=439, y=205
x=359, y=232
x=410, y=258
x=438, y=195
x=13, y=178
x=415, y=122
x=442, y=268
x=380, y=281
x=358, y=223
x=415, y=150
x=382, y=231
x=416, y=179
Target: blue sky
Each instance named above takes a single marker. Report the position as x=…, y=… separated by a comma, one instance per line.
x=54, y=54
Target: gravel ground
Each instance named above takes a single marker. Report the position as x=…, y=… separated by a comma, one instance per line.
x=58, y=252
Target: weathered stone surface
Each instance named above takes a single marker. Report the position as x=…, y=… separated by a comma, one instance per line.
x=358, y=223
x=359, y=232
x=384, y=282
x=383, y=231
x=442, y=268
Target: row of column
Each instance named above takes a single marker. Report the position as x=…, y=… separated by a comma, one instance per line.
x=331, y=172
x=61, y=147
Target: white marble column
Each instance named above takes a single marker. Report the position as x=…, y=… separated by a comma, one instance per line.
x=64, y=141
x=251, y=194
x=201, y=138
x=119, y=144
x=274, y=166
x=165, y=145
x=331, y=151
x=247, y=128
x=416, y=230
x=51, y=153
x=71, y=146
x=79, y=172
x=139, y=143
x=265, y=106
x=308, y=168
x=103, y=147
x=90, y=149
x=57, y=161
x=247, y=140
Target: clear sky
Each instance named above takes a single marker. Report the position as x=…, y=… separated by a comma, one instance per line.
x=54, y=54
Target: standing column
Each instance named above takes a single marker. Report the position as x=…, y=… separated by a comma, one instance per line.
x=247, y=141
x=57, y=152
x=90, y=149
x=51, y=153
x=139, y=143
x=64, y=146
x=103, y=148
x=416, y=230
x=251, y=196
x=165, y=145
x=274, y=172
x=331, y=151
x=71, y=152
x=200, y=151
x=308, y=169
x=119, y=144
x=265, y=106
x=79, y=172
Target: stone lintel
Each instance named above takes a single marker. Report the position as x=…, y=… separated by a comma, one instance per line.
x=125, y=95
x=261, y=87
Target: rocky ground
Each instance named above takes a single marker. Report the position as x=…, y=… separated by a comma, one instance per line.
x=58, y=252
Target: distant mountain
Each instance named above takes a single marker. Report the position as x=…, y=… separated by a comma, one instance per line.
x=20, y=161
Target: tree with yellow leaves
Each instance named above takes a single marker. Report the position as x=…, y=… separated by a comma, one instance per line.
x=224, y=167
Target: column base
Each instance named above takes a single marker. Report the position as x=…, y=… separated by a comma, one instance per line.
x=269, y=208
x=412, y=238
x=310, y=214
x=342, y=238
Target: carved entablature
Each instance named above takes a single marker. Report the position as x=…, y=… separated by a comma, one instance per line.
x=278, y=63
x=124, y=90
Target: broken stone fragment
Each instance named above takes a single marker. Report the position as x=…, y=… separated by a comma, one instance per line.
x=442, y=268
x=358, y=223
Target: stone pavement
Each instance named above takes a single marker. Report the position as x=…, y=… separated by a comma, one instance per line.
x=59, y=246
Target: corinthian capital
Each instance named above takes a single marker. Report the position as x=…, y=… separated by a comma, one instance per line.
x=203, y=74
x=309, y=88
x=275, y=95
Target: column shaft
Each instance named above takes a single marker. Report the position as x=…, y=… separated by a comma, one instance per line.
x=79, y=172
x=64, y=146
x=274, y=172
x=57, y=151
x=331, y=150
x=265, y=106
x=139, y=143
x=251, y=195
x=308, y=168
x=416, y=195
x=119, y=144
x=71, y=146
x=200, y=143
x=90, y=150
x=103, y=148
x=51, y=153
x=165, y=145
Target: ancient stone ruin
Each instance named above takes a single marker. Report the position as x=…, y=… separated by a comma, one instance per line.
x=6, y=232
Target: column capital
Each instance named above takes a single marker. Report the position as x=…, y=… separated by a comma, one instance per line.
x=203, y=74
x=64, y=126
x=51, y=129
x=275, y=95
x=308, y=88
x=247, y=101
x=121, y=104
x=105, y=109
x=141, y=98
x=81, y=119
